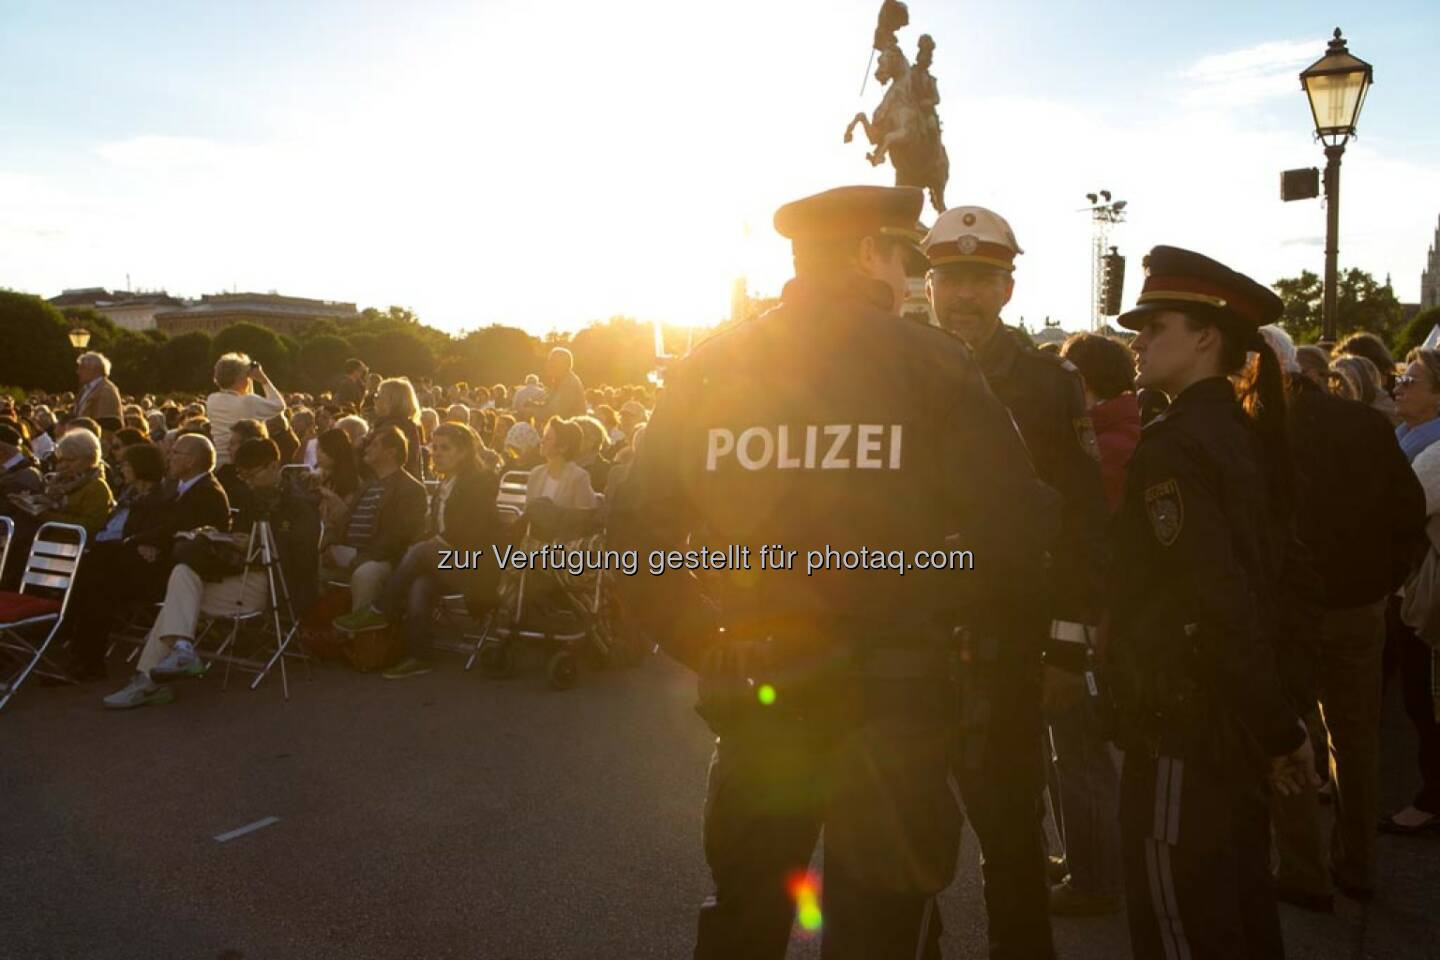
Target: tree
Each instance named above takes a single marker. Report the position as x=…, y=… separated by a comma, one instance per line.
x=499, y=354
x=322, y=359
x=621, y=350
x=183, y=363
x=402, y=316
x=1416, y=331
x=259, y=343
x=403, y=353
x=134, y=359
x=36, y=352
x=1360, y=304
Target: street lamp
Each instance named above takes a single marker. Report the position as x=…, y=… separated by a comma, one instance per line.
x=1336, y=85
x=79, y=338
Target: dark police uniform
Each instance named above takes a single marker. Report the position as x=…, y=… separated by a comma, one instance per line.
x=1199, y=699
x=1001, y=769
x=828, y=423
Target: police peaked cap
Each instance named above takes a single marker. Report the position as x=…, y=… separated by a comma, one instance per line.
x=1177, y=279
x=853, y=212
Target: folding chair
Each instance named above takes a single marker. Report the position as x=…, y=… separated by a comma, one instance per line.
x=514, y=488
x=261, y=553
x=7, y=534
x=50, y=568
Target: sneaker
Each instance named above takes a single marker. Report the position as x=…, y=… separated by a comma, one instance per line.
x=179, y=663
x=141, y=691
x=1066, y=901
x=409, y=667
x=360, y=622
x=1056, y=869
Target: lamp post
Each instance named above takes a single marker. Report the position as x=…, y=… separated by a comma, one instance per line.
x=79, y=338
x=1336, y=85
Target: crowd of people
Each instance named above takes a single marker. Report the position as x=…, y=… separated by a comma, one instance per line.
x=367, y=484
x=386, y=473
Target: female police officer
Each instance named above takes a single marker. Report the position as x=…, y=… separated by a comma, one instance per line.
x=1200, y=538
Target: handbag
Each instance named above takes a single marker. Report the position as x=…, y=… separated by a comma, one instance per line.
x=1420, y=606
x=212, y=560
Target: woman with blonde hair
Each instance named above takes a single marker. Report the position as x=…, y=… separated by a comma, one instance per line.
x=397, y=406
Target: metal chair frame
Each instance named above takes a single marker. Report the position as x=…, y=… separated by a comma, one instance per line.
x=50, y=565
x=260, y=552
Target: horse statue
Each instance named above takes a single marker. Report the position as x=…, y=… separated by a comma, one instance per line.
x=906, y=127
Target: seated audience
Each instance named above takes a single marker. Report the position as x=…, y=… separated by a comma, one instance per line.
x=169, y=651
x=355, y=427
x=372, y=535
x=592, y=445
x=521, y=449
x=133, y=567
x=560, y=479
x=462, y=517
x=19, y=473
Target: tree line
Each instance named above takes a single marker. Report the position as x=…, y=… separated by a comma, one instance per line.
x=35, y=350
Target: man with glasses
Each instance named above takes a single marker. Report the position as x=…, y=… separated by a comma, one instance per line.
x=1001, y=770
x=119, y=574
x=169, y=652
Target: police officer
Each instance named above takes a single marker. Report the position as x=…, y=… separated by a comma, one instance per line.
x=829, y=423
x=972, y=254
x=1200, y=543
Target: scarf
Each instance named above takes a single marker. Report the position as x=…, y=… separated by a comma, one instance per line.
x=58, y=486
x=1415, y=439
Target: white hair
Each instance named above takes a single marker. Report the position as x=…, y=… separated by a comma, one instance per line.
x=355, y=427
x=230, y=369
x=92, y=358
x=82, y=445
x=1282, y=346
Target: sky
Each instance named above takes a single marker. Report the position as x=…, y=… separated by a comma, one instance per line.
x=549, y=164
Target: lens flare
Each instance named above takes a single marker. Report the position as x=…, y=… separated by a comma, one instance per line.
x=766, y=694
x=805, y=891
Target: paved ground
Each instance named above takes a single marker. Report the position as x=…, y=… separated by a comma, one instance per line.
x=447, y=816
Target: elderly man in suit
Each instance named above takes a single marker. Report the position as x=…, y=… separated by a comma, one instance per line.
x=98, y=398
x=117, y=574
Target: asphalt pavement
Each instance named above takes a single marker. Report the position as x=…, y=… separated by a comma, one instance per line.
x=444, y=816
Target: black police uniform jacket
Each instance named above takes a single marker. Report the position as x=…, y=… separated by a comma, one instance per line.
x=1045, y=395
x=829, y=425
x=1198, y=562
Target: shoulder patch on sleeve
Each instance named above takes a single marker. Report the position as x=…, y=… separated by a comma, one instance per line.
x=1166, y=511
x=1085, y=433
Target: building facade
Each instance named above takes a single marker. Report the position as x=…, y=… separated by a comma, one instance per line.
x=284, y=315
x=1430, y=276
x=128, y=310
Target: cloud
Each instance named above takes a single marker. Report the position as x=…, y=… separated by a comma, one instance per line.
x=1251, y=75
x=163, y=153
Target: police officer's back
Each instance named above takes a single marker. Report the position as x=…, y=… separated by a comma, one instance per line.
x=830, y=424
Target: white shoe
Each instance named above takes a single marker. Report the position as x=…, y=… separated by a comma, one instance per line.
x=179, y=663
x=141, y=691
